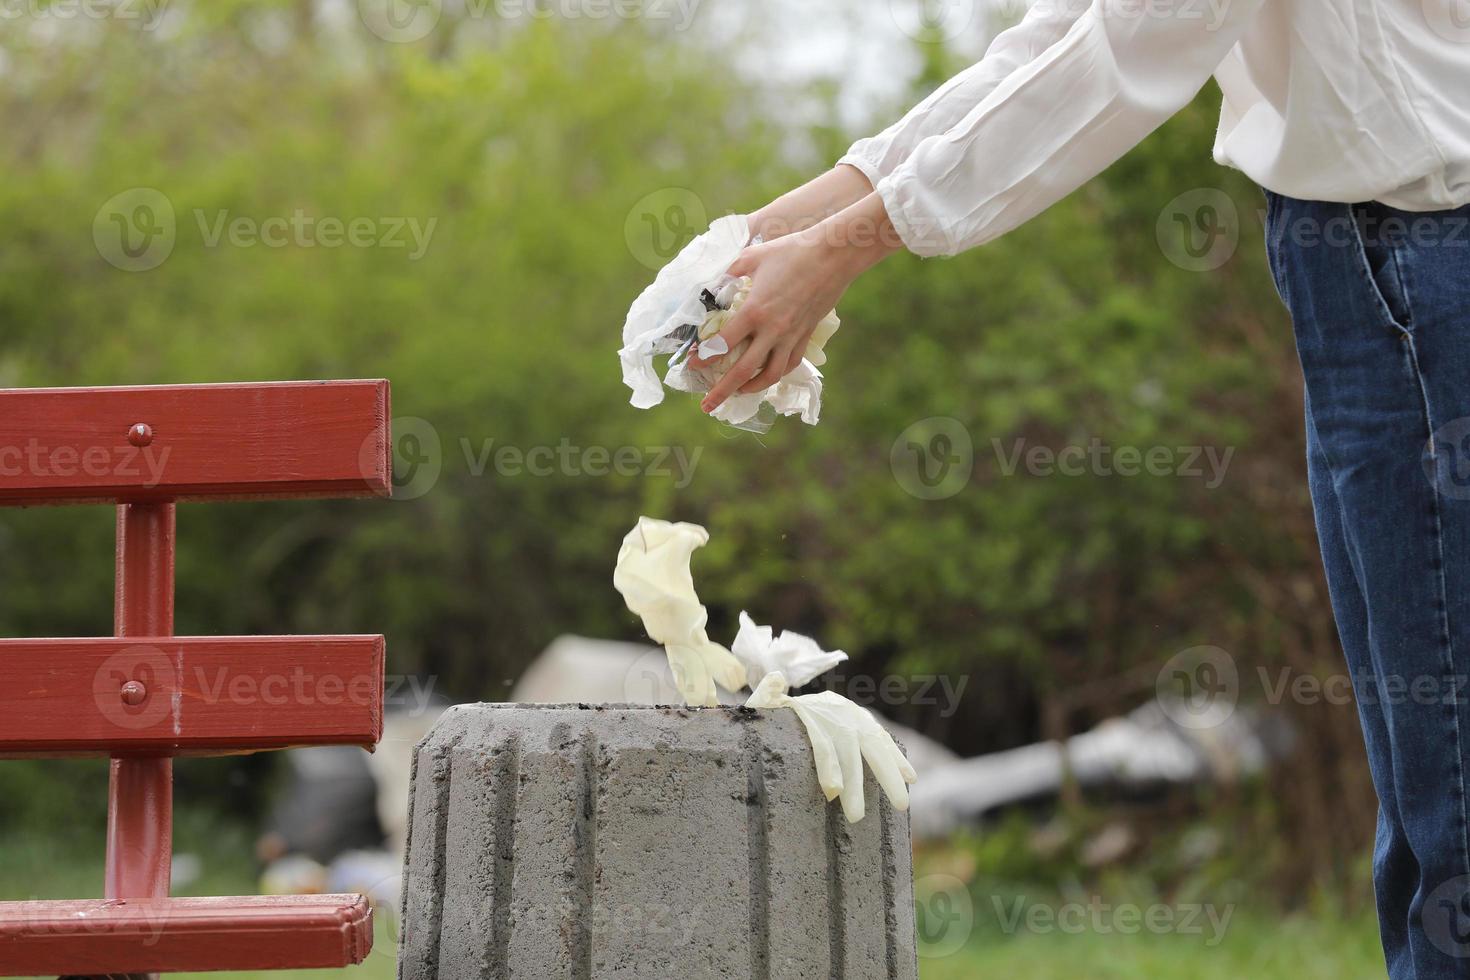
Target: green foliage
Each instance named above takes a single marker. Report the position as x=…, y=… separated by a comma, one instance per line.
x=532, y=147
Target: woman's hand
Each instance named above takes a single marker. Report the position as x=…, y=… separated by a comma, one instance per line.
x=795, y=281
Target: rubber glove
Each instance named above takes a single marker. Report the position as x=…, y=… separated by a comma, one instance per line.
x=843, y=734
x=653, y=575
x=798, y=657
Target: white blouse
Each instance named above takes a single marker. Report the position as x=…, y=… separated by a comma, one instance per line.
x=1336, y=100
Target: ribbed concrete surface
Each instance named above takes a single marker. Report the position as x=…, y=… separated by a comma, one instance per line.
x=637, y=842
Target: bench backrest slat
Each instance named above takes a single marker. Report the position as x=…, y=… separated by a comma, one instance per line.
x=191, y=695
x=190, y=442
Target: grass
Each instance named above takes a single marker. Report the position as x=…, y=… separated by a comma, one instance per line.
x=1046, y=941
x=1296, y=949
x=1261, y=949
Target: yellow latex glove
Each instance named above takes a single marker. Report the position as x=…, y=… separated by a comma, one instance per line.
x=653, y=575
x=843, y=734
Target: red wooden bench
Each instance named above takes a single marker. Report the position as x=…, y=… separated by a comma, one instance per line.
x=144, y=696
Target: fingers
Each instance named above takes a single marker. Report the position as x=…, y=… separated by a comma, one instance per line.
x=738, y=327
x=824, y=754
x=888, y=764
x=746, y=368
x=851, y=760
x=774, y=371
x=746, y=262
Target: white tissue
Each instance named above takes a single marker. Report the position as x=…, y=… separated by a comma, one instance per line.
x=653, y=575
x=799, y=658
x=843, y=734
x=673, y=301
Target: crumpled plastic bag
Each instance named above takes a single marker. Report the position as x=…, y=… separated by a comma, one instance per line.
x=652, y=573
x=799, y=658
x=688, y=303
x=843, y=734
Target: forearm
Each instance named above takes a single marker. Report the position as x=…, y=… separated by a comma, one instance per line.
x=815, y=201
x=1057, y=122
x=858, y=237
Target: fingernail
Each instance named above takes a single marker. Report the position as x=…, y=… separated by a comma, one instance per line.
x=714, y=347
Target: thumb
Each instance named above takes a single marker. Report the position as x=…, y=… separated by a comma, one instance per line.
x=746, y=262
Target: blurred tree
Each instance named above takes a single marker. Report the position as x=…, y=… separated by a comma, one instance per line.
x=549, y=167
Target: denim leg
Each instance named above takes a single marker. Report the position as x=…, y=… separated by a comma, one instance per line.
x=1395, y=870
x=1382, y=321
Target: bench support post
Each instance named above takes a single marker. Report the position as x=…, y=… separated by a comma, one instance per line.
x=142, y=696
x=140, y=791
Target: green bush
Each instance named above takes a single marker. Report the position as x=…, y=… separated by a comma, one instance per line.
x=534, y=150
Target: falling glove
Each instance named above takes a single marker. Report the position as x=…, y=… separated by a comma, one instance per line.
x=653, y=575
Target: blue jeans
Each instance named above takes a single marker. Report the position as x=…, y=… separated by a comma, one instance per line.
x=1380, y=302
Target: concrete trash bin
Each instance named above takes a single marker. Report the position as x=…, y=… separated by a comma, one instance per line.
x=591, y=841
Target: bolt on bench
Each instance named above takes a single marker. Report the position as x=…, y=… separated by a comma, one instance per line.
x=145, y=696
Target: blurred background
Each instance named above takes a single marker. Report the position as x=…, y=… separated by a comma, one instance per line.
x=1055, y=510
